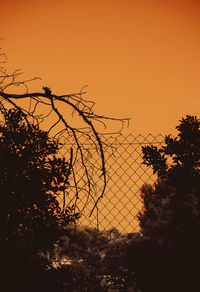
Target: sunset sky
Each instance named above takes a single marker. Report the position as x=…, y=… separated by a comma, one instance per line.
x=140, y=59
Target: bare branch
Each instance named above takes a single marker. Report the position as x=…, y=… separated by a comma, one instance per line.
x=46, y=107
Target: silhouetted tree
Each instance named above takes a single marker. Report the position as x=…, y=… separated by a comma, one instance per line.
x=97, y=260
x=171, y=211
x=56, y=114
x=167, y=257
x=31, y=179
x=31, y=173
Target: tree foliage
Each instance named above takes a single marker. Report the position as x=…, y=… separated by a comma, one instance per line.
x=97, y=260
x=32, y=176
x=172, y=205
x=167, y=256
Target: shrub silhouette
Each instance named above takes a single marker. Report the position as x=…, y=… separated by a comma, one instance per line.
x=31, y=178
x=167, y=257
x=171, y=211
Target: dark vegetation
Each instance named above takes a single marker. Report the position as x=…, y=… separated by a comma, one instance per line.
x=164, y=257
x=31, y=178
x=97, y=260
x=167, y=257
x=36, y=230
x=36, y=207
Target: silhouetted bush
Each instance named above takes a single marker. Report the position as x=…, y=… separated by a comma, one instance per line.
x=84, y=248
x=98, y=260
x=31, y=178
x=79, y=277
x=167, y=256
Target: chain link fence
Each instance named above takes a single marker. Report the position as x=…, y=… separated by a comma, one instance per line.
x=126, y=174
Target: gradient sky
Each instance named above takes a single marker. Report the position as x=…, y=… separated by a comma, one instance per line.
x=140, y=59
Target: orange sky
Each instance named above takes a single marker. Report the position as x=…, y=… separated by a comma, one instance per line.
x=140, y=59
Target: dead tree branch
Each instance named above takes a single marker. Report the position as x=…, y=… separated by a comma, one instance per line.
x=46, y=107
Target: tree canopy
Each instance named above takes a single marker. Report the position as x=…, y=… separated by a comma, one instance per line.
x=32, y=176
x=172, y=205
x=37, y=165
x=167, y=256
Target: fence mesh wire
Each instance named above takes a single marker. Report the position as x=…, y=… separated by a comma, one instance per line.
x=125, y=176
